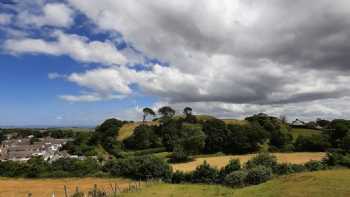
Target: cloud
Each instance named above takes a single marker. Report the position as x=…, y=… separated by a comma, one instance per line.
x=235, y=56
x=5, y=19
x=55, y=76
x=235, y=51
x=53, y=14
x=103, y=80
x=77, y=47
x=93, y=97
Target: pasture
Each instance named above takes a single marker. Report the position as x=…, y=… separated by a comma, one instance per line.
x=304, y=132
x=221, y=161
x=45, y=187
x=333, y=183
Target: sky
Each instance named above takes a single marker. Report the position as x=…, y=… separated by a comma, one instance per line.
x=78, y=62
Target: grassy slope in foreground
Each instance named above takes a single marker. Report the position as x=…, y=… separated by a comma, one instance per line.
x=221, y=161
x=333, y=183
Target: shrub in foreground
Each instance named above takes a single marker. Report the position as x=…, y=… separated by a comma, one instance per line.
x=257, y=175
x=262, y=159
x=205, y=174
x=232, y=166
x=182, y=177
x=288, y=168
x=236, y=178
x=315, y=165
x=338, y=157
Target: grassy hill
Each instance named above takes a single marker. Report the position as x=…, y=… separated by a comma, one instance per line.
x=333, y=183
x=127, y=129
x=304, y=132
x=235, y=121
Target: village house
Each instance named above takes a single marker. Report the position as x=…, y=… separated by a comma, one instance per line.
x=25, y=148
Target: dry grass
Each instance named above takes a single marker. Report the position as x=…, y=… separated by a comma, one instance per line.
x=128, y=129
x=45, y=187
x=221, y=161
x=235, y=122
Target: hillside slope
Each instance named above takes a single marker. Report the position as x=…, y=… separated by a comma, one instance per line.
x=333, y=183
x=128, y=129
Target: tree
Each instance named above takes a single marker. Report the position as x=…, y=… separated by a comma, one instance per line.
x=192, y=139
x=283, y=118
x=146, y=112
x=187, y=111
x=322, y=122
x=244, y=138
x=106, y=134
x=189, y=118
x=166, y=111
x=216, y=135
x=143, y=137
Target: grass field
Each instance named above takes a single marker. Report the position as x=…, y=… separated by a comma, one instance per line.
x=221, y=161
x=45, y=187
x=305, y=132
x=235, y=121
x=127, y=129
x=333, y=183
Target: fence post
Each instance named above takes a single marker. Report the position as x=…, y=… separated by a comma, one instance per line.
x=65, y=191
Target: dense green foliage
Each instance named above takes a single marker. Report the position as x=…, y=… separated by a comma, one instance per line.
x=144, y=137
x=236, y=178
x=315, y=143
x=37, y=167
x=205, y=174
x=139, y=168
x=277, y=131
x=258, y=174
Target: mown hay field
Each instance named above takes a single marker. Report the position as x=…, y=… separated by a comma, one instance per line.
x=332, y=183
x=45, y=187
x=221, y=161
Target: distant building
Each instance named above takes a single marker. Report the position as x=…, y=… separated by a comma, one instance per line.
x=298, y=123
x=23, y=149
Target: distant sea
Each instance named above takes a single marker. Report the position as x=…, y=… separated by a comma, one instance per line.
x=45, y=126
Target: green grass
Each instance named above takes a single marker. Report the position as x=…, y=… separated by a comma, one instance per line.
x=333, y=183
x=304, y=132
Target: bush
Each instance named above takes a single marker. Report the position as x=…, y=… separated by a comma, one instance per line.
x=179, y=155
x=139, y=168
x=205, y=174
x=315, y=165
x=232, y=166
x=313, y=143
x=262, y=159
x=337, y=157
x=258, y=174
x=297, y=167
x=287, y=168
x=180, y=177
x=236, y=178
